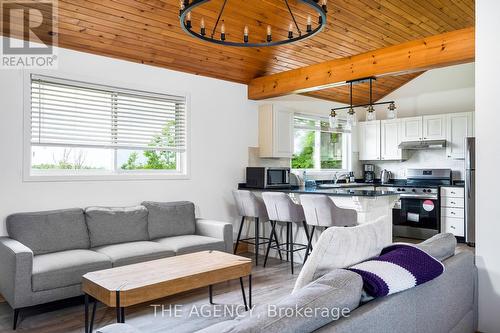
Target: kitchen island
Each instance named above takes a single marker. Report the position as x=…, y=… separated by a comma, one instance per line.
x=370, y=204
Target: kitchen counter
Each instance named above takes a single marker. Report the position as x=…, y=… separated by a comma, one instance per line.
x=341, y=191
x=369, y=204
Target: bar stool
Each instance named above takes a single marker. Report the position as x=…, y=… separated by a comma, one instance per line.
x=281, y=208
x=321, y=211
x=251, y=206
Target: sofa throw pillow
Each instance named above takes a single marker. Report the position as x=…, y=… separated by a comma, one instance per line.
x=321, y=302
x=168, y=219
x=399, y=267
x=50, y=231
x=112, y=225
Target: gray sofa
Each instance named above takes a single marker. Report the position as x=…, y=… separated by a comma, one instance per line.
x=46, y=253
x=445, y=304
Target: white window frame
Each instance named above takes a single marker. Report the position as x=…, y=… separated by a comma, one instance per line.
x=99, y=175
x=346, y=148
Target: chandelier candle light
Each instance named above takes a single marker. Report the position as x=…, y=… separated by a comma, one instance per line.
x=294, y=31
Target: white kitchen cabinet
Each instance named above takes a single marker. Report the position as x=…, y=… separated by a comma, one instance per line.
x=452, y=210
x=390, y=131
x=275, y=132
x=434, y=127
x=369, y=140
x=411, y=129
x=423, y=128
x=459, y=126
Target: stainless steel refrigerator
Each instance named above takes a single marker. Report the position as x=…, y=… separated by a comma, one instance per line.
x=470, y=191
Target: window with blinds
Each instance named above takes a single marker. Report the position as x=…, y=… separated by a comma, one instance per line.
x=83, y=127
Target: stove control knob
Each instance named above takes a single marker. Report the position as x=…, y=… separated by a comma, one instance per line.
x=414, y=190
x=403, y=190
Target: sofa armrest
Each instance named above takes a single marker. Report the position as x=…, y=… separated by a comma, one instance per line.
x=216, y=229
x=16, y=267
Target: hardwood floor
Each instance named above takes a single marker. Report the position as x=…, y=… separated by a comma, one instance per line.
x=268, y=285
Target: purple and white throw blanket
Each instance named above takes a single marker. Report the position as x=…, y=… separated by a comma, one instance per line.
x=399, y=267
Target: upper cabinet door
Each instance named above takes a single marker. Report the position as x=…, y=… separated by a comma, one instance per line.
x=390, y=140
x=434, y=127
x=411, y=129
x=459, y=126
x=369, y=140
x=275, y=132
x=283, y=133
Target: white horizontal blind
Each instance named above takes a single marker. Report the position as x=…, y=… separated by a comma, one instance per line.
x=69, y=113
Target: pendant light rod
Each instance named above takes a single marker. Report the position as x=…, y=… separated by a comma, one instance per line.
x=218, y=18
x=361, y=105
x=293, y=17
x=371, y=89
x=350, y=94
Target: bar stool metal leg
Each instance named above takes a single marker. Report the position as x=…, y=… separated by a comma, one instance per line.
x=309, y=243
x=239, y=235
x=275, y=235
x=257, y=241
x=272, y=234
x=291, y=246
x=287, y=240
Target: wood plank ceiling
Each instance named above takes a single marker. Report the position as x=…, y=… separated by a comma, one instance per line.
x=148, y=31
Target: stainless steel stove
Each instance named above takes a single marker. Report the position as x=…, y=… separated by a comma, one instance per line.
x=417, y=214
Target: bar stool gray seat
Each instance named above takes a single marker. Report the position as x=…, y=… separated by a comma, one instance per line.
x=321, y=211
x=281, y=208
x=251, y=207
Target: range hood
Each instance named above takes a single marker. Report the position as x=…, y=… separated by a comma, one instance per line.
x=419, y=145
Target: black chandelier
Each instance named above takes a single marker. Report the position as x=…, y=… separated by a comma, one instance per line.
x=295, y=33
x=370, y=115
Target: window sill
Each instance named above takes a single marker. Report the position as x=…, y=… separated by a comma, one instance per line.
x=105, y=177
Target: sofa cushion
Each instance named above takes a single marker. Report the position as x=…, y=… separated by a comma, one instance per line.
x=167, y=219
x=440, y=246
x=66, y=268
x=50, y=231
x=134, y=252
x=191, y=243
x=116, y=225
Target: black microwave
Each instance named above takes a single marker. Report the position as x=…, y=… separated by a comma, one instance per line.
x=261, y=177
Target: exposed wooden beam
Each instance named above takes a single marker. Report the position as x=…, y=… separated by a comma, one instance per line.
x=442, y=50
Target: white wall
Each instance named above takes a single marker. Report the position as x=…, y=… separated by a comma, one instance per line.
x=488, y=160
x=444, y=90
x=223, y=126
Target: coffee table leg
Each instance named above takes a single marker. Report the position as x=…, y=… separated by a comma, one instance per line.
x=243, y=292
x=120, y=312
x=93, y=317
x=210, y=294
x=250, y=291
x=86, y=313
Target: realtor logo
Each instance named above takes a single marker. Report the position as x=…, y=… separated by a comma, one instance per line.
x=29, y=30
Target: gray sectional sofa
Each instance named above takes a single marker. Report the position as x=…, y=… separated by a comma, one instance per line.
x=46, y=253
x=445, y=304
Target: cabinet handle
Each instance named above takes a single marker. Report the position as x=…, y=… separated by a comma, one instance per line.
x=452, y=227
x=452, y=213
x=452, y=192
x=453, y=203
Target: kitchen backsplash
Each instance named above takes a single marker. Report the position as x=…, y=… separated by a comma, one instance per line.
x=419, y=159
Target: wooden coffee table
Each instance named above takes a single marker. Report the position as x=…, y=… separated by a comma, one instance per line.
x=129, y=285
